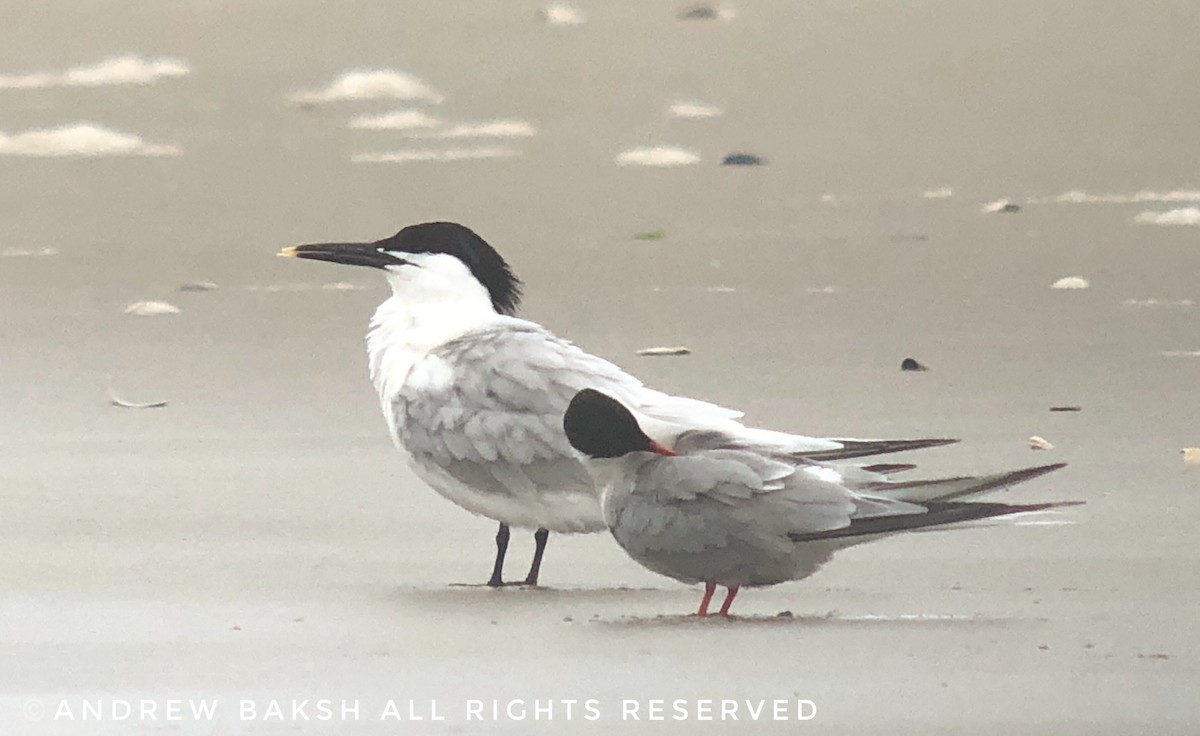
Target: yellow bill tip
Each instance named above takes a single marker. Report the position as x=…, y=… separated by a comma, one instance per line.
x=288, y=252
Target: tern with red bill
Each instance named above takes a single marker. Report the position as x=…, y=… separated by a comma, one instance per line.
x=476, y=396
x=701, y=510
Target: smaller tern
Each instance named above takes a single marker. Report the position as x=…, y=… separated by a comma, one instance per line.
x=701, y=512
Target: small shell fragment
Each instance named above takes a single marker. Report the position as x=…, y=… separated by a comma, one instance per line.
x=693, y=110
x=1191, y=455
x=198, y=286
x=657, y=156
x=1039, y=443
x=1001, y=206
x=1070, y=282
x=673, y=350
x=118, y=401
x=151, y=309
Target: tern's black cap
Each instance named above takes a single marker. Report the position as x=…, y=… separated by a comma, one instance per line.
x=451, y=238
x=599, y=426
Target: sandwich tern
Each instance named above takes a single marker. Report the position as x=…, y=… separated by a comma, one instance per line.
x=699, y=512
x=475, y=396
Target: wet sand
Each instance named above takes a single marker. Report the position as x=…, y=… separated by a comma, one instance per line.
x=260, y=538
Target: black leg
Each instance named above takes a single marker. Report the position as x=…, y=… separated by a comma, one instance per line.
x=501, y=547
x=541, y=536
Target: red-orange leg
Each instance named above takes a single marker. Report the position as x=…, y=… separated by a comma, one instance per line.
x=709, y=589
x=728, y=600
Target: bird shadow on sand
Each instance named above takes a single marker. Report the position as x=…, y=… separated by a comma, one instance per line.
x=623, y=606
x=832, y=619
x=519, y=596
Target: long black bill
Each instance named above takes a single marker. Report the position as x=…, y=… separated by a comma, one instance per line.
x=350, y=254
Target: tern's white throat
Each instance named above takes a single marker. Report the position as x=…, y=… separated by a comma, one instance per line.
x=435, y=299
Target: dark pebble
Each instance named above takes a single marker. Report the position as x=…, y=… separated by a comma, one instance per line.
x=742, y=159
x=697, y=12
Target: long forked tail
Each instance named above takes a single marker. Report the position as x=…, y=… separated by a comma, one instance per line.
x=887, y=507
x=949, y=489
x=862, y=448
x=938, y=513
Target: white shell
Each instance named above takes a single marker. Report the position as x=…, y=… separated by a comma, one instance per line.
x=1070, y=282
x=1039, y=443
x=151, y=309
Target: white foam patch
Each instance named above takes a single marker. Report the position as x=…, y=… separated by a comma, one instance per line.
x=27, y=252
x=1070, y=282
x=80, y=139
x=1152, y=302
x=447, y=154
x=1078, y=196
x=942, y=193
x=693, y=110
x=1181, y=216
x=1181, y=353
x=657, y=156
x=371, y=84
x=396, y=120
x=489, y=129
x=151, y=309
x=128, y=69
x=561, y=14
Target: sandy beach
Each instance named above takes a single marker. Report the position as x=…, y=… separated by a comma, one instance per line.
x=260, y=539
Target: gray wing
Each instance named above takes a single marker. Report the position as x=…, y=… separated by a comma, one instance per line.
x=487, y=408
x=726, y=515
x=709, y=499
